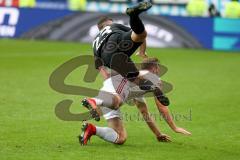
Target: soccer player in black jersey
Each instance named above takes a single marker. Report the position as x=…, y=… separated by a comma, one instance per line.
x=115, y=44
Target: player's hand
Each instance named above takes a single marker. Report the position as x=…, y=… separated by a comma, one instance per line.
x=182, y=131
x=163, y=138
x=141, y=54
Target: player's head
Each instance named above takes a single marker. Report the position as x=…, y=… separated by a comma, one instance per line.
x=104, y=21
x=151, y=64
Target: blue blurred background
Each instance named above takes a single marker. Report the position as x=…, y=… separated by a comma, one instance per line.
x=210, y=24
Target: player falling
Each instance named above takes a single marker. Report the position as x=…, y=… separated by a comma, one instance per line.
x=115, y=44
x=124, y=90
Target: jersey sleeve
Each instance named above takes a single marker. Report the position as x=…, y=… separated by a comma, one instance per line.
x=122, y=27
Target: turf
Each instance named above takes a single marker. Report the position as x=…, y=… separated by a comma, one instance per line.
x=205, y=99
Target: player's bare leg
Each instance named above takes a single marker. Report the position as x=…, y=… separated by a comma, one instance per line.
x=117, y=124
x=103, y=99
x=114, y=133
x=139, y=33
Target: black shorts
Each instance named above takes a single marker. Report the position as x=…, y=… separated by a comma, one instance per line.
x=116, y=53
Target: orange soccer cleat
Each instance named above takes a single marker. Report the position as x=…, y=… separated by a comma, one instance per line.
x=88, y=131
x=90, y=104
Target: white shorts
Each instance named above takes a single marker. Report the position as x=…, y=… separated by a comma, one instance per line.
x=122, y=89
x=107, y=112
x=118, y=86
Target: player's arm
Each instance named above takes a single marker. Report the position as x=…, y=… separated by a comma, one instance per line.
x=103, y=72
x=100, y=66
x=168, y=118
x=150, y=122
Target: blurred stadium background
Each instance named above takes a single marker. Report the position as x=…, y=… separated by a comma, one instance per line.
x=197, y=40
x=75, y=20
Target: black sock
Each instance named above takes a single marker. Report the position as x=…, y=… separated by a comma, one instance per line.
x=136, y=24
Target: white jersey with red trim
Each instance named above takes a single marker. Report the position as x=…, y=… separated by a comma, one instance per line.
x=128, y=90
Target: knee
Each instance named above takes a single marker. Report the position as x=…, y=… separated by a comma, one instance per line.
x=143, y=35
x=121, y=142
x=122, y=139
x=139, y=37
x=116, y=102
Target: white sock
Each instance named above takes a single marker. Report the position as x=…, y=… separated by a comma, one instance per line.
x=106, y=133
x=98, y=101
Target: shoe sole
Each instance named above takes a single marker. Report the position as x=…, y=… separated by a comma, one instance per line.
x=143, y=6
x=81, y=137
x=92, y=110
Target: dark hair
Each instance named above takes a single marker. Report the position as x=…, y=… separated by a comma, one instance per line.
x=101, y=21
x=148, y=63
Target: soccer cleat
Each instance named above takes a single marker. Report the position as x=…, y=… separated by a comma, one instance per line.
x=88, y=130
x=146, y=85
x=141, y=7
x=161, y=97
x=90, y=104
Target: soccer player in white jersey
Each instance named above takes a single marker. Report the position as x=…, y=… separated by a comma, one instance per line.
x=123, y=91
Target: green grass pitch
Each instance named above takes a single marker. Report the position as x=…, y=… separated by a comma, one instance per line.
x=206, y=83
